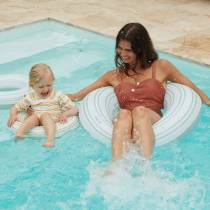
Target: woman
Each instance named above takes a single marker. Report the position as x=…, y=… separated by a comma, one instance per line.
x=139, y=83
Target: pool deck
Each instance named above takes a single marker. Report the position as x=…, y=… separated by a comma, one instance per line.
x=179, y=27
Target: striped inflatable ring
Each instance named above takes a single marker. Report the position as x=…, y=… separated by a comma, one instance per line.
x=181, y=109
x=38, y=131
x=12, y=88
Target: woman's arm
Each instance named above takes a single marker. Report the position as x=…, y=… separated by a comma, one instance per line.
x=174, y=75
x=101, y=82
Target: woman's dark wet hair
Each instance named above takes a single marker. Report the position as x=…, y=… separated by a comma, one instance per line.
x=141, y=44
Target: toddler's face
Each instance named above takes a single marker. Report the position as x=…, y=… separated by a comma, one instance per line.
x=44, y=87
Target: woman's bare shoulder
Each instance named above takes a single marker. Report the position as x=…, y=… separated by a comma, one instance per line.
x=165, y=66
x=163, y=63
x=111, y=74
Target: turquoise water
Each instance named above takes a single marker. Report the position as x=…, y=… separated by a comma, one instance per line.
x=71, y=175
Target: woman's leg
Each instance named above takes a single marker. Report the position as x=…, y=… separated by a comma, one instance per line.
x=122, y=126
x=49, y=127
x=143, y=119
x=29, y=122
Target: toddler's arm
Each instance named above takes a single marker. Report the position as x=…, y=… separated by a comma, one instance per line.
x=68, y=108
x=21, y=105
x=12, y=117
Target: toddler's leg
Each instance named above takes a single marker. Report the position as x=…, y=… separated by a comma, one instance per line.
x=49, y=127
x=28, y=123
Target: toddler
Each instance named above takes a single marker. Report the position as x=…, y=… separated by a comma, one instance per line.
x=48, y=105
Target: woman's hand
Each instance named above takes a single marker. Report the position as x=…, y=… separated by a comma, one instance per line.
x=207, y=102
x=73, y=96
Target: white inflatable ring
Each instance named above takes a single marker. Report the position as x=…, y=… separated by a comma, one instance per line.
x=12, y=88
x=38, y=131
x=181, y=109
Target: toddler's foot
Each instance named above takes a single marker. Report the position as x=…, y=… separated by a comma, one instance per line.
x=19, y=136
x=48, y=144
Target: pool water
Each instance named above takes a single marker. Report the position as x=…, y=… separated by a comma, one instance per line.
x=73, y=174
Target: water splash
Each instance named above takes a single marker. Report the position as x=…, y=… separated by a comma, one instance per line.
x=133, y=183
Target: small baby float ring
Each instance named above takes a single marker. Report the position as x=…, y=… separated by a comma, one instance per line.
x=12, y=88
x=38, y=131
x=181, y=110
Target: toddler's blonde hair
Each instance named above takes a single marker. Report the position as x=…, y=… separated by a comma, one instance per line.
x=37, y=72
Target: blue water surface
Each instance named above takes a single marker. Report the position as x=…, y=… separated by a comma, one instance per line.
x=73, y=174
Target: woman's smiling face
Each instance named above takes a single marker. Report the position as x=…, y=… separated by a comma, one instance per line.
x=126, y=53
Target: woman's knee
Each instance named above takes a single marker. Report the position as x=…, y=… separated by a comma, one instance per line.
x=123, y=121
x=140, y=112
x=124, y=114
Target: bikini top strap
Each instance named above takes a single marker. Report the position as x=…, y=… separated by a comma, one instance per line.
x=154, y=69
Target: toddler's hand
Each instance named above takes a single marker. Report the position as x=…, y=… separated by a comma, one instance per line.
x=11, y=120
x=30, y=111
x=62, y=118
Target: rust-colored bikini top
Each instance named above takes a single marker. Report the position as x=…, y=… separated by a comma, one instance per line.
x=148, y=93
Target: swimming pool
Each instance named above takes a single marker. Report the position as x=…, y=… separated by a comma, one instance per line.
x=70, y=176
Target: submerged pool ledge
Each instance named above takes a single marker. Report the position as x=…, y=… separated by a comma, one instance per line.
x=50, y=19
